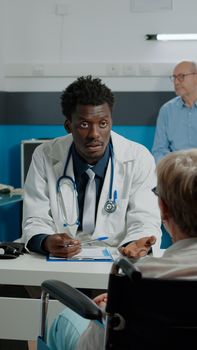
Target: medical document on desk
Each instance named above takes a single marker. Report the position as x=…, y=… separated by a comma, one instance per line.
x=87, y=254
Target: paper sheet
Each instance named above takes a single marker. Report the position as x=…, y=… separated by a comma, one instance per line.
x=87, y=254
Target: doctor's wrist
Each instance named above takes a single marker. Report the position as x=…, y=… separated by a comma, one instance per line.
x=35, y=244
x=44, y=245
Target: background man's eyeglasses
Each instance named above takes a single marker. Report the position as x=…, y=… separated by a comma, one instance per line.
x=180, y=77
x=155, y=191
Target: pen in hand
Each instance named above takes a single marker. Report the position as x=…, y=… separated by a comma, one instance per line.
x=99, y=239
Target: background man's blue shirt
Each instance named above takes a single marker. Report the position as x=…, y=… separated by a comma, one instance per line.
x=176, y=128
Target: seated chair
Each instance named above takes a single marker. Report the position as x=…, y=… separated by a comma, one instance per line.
x=140, y=312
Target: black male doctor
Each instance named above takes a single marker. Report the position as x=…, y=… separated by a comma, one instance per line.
x=54, y=193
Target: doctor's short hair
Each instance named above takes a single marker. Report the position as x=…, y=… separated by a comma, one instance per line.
x=177, y=187
x=86, y=90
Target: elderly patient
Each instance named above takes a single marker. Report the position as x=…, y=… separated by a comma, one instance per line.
x=177, y=197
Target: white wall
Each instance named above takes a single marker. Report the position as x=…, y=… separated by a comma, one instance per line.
x=43, y=51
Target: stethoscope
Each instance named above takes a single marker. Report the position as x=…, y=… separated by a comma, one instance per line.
x=111, y=203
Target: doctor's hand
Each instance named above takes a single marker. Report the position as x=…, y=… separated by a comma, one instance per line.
x=138, y=248
x=61, y=245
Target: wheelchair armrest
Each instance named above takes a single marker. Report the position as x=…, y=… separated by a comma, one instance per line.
x=72, y=298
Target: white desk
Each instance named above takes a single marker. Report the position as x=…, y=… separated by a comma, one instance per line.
x=20, y=318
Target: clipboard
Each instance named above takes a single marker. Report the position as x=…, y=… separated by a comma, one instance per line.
x=87, y=254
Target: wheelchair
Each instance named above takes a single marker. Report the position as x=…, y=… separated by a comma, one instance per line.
x=140, y=312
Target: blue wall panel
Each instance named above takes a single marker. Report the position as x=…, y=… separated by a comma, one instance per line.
x=10, y=140
x=12, y=135
x=141, y=134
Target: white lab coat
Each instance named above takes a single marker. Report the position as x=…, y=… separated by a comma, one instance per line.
x=137, y=214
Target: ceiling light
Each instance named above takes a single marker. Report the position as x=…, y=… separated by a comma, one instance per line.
x=166, y=37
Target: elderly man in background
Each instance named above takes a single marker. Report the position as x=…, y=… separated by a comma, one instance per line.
x=176, y=127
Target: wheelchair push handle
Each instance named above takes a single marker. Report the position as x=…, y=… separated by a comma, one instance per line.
x=127, y=267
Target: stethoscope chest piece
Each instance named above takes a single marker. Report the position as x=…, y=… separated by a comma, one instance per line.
x=110, y=206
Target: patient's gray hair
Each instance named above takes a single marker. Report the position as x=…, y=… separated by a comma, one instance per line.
x=194, y=67
x=177, y=186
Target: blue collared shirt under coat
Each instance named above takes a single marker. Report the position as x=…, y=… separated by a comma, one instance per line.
x=81, y=178
x=176, y=128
